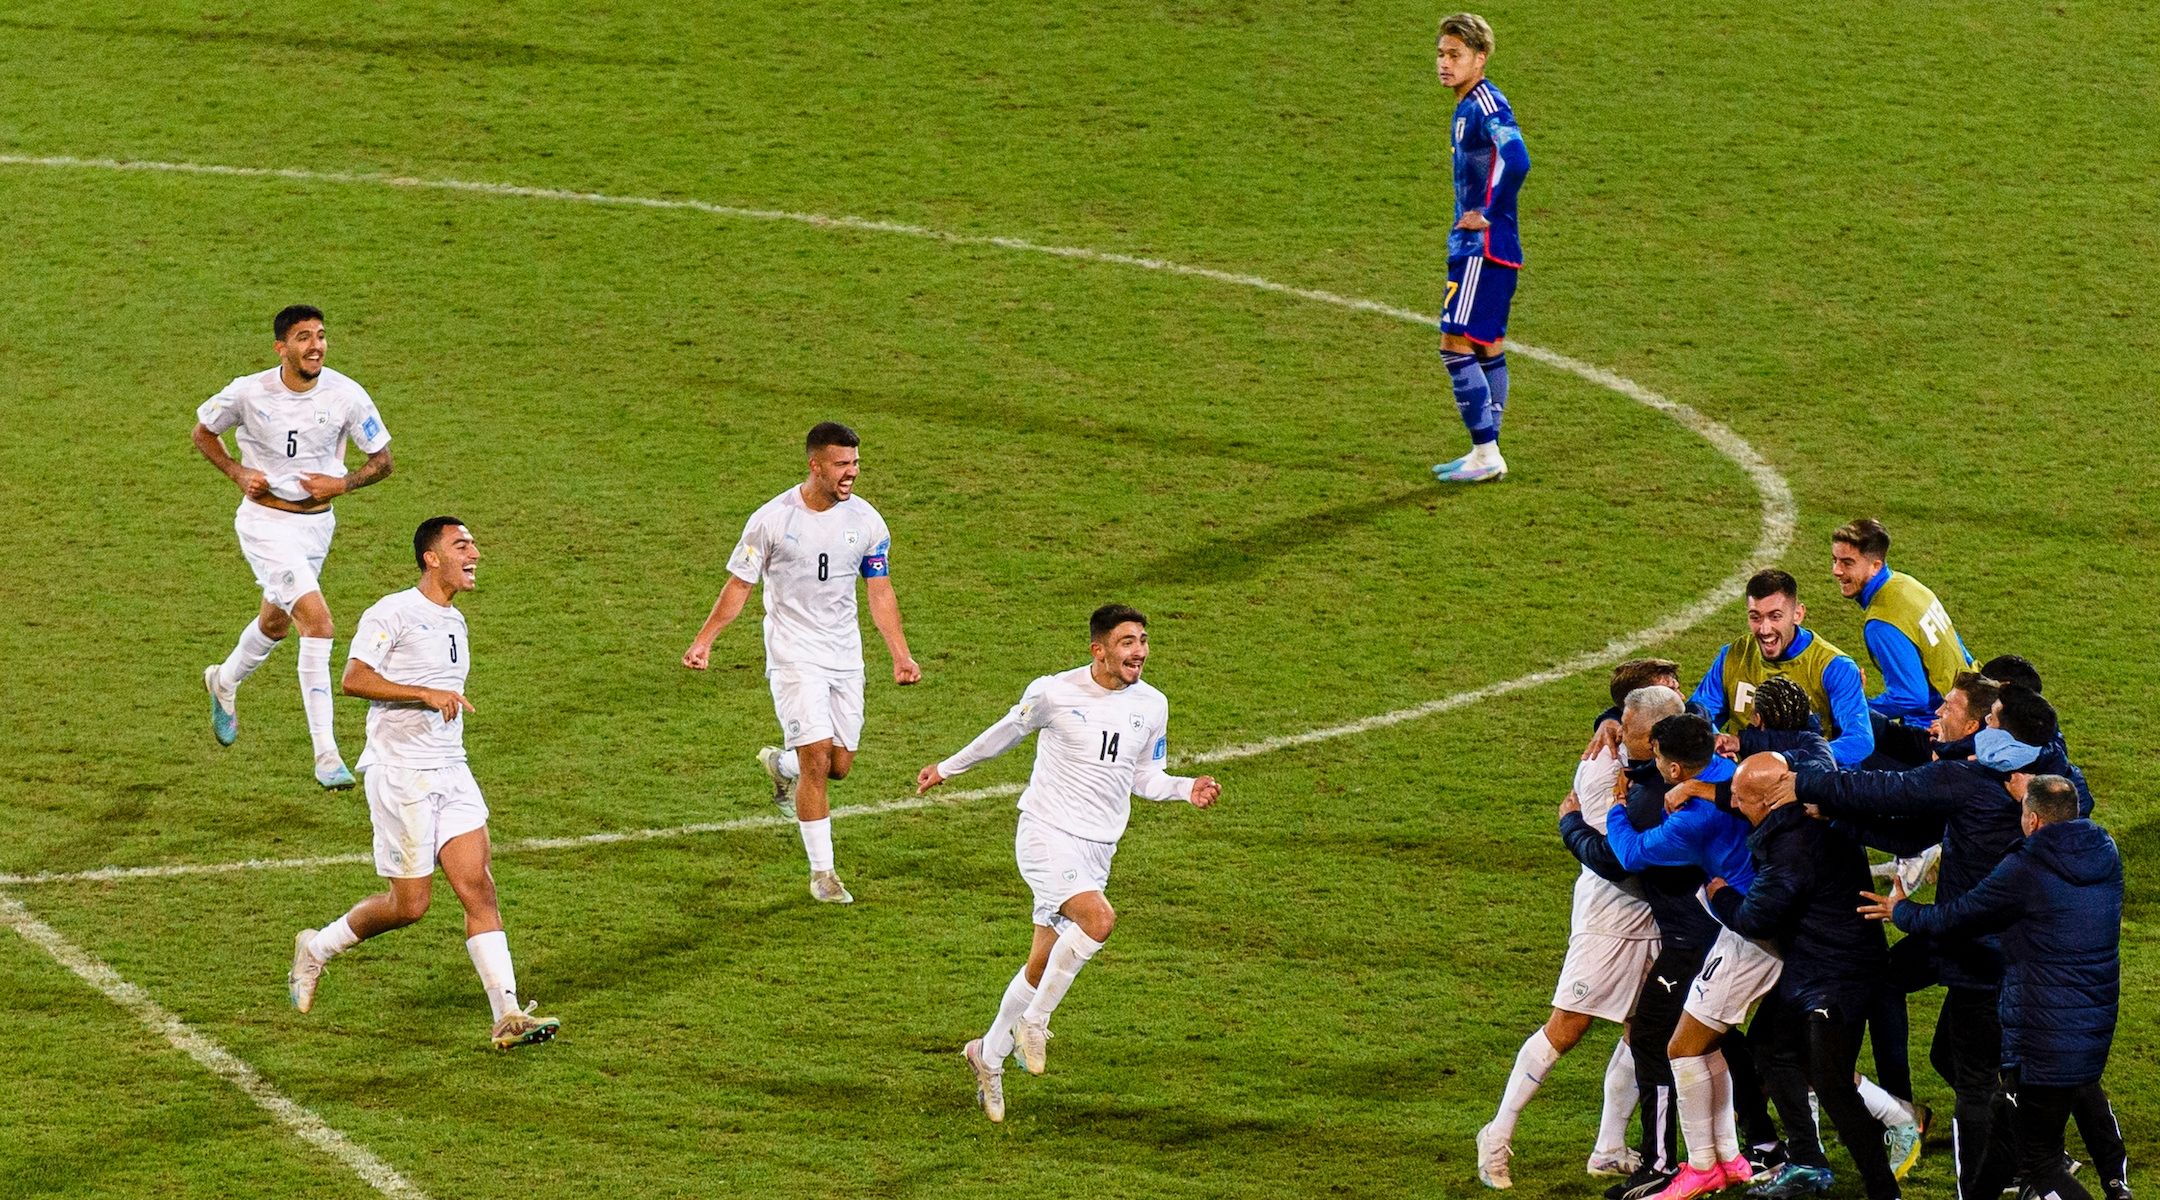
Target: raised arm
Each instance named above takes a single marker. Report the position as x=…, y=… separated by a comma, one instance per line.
x=1708, y=698
x=1922, y=791
x=885, y=614
x=1991, y=907
x=1662, y=845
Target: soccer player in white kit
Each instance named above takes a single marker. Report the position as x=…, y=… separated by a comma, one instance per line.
x=808, y=545
x=409, y=660
x=293, y=422
x=1104, y=740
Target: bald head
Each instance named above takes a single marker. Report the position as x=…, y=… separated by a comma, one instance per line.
x=1763, y=782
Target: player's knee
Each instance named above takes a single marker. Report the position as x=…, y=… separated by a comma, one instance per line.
x=1098, y=922
x=409, y=907
x=840, y=765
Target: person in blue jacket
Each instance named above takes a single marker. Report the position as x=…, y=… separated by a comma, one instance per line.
x=2056, y=901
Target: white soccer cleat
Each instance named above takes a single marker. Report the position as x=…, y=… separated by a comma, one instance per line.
x=826, y=888
x=989, y=1082
x=224, y=719
x=1492, y=1160
x=519, y=1027
x=1619, y=1163
x=1033, y=1043
x=783, y=788
x=306, y=972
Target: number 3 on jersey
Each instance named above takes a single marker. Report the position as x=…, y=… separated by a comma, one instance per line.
x=1109, y=747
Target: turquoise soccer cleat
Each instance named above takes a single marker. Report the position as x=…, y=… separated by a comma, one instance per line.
x=224, y=722
x=1443, y=470
x=1469, y=474
x=336, y=781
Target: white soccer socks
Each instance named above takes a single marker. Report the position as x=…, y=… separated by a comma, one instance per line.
x=1883, y=1106
x=790, y=764
x=1620, y=1097
x=254, y=647
x=997, y=1045
x=1532, y=1063
x=1724, y=1129
x=1692, y=1079
x=817, y=842
x=491, y=957
x=1072, y=952
x=332, y=940
x=315, y=698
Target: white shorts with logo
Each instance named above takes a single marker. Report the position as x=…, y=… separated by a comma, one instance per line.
x=1603, y=975
x=815, y=704
x=1737, y=972
x=1058, y=866
x=286, y=550
x=416, y=812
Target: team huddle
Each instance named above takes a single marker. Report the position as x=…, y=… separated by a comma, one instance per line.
x=1103, y=733
x=1723, y=841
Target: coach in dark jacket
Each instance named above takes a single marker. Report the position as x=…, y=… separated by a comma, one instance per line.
x=2057, y=901
x=1807, y=873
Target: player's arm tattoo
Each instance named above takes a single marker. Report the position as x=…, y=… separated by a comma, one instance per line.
x=373, y=470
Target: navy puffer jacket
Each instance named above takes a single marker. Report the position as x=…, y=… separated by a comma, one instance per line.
x=2057, y=901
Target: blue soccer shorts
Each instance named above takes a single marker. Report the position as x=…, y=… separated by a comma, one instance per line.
x=1479, y=293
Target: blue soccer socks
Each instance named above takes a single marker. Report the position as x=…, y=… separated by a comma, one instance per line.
x=1473, y=397
x=1495, y=369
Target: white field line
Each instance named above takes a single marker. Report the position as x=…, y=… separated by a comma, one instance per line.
x=1779, y=511
x=204, y=1049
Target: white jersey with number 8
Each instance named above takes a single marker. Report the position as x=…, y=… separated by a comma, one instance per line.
x=809, y=562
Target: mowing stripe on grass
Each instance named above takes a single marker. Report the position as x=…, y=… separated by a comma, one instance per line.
x=1780, y=513
x=219, y=1061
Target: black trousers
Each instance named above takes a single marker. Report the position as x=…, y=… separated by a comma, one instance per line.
x=2025, y=1142
x=1967, y=1053
x=2095, y=1117
x=1657, y=1014
x=1820, y=1047
x=1912, y=969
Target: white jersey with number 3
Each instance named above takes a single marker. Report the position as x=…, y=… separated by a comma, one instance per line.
x=412, y=640
x=1099, y=748
x=809, y=562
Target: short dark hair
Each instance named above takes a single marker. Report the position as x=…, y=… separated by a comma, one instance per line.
x=1685, y=739
x=1866, y=535
x=1772, y=582
x=1110, y=616
x=2012, y=668
x=1640, y=673
x=429, y=536
x=2025, y=716
x=291, y=315
x=829, y=433
x=2051, y=798
x=1980, y=692
x=1782, y=704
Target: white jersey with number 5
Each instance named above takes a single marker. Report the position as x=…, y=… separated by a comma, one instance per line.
x=1099, y=748
x=809, y=562
x=412, y=640
x=284, y=433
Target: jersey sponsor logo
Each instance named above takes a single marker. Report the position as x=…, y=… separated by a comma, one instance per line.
x=1935, y=623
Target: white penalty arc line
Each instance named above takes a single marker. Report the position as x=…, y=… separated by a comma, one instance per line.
x=1779, y=511
x=214, y=1057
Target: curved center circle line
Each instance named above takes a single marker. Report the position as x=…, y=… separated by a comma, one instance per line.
x=1779, y=510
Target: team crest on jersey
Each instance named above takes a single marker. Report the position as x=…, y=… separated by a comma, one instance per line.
x=1581, y=989
x=1071, y=875
x=1134, y=720
x=322, y=417
x=851, y=537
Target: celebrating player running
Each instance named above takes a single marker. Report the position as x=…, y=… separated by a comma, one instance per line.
x=1105, y=739
x=293, y=422
x=808, y=545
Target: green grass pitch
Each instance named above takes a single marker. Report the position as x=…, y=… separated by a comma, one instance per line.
x=1906, y=250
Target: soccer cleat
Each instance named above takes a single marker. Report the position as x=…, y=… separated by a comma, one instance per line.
x=783, y=788
x=1493, y=1154
x=1765, y=1158
x=1614, y=1164
x=1739, y=1172
x=1644, y=1184
x=1902, y=1144
x=1032, y=1040
x=306, y=972
x=1442, y=470
x=2115, y=1189
x=1793, y=1180
x=1692, y=1182
x=826, y=888
x=337, y=780
x=224, y=721
x=1470, y=474
x=989, y=1082
x=521, y=1028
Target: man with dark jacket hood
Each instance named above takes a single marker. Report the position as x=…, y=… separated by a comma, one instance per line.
x=2056, y=900
x=1805, y=873
x=1971, y=797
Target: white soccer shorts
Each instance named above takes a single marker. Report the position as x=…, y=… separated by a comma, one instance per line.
x=815, y=705
x=416, y=812
x=286, y=550
x=1738, y=972
x=1603, y=975
x=1058, y=866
